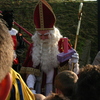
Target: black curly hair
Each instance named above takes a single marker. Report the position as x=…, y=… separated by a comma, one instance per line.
x=8, y=17
x=89, y=83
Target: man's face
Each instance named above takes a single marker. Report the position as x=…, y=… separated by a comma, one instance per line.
x=43, y=34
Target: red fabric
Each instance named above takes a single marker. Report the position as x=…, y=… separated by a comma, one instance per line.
x=28, y=61
x=15, y=41
x=64, y=45
x=16, y=61
x=5, y=87
x=47, y=20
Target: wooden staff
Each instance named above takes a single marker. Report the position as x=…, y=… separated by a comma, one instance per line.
x=78, y=28
x=79, y=23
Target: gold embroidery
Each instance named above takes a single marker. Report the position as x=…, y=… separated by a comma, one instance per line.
x=41, y=15
x=62, y=68
x=29, y=70
x=44, y=29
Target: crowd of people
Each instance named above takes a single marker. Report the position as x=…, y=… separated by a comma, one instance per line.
x=44, y=76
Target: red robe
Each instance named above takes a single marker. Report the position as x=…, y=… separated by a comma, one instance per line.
x=29, y=64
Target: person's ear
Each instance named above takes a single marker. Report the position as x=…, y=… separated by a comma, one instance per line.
x=5, y=86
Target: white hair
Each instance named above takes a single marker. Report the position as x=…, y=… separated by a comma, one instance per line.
x=45, y=52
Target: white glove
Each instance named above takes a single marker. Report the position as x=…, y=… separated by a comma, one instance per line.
x=76, y=68
x=75, y=58
x=73, y=63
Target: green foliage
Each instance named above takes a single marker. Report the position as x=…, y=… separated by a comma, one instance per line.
x=67, y=20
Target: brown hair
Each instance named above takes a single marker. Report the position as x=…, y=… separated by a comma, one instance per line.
x=6, y=50
x=66, y=81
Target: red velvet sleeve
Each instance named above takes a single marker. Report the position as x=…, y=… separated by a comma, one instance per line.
x=28, y=61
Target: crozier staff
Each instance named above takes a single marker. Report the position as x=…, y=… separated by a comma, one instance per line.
x=79, y=23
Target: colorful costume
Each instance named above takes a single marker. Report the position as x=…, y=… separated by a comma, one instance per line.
x=19, y=90
x=12, y=87
x=41, y=64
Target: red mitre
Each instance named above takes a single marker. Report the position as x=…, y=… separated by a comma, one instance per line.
x=44, y=17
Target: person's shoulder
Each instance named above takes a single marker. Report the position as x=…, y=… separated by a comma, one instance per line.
x=14, y=74
x=15, y=30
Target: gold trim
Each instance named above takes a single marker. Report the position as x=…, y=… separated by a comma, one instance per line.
x=46, y=3
x=62, y=68
x=41, y=15
x=41, y=3
x=29, y=70
x=39, y=29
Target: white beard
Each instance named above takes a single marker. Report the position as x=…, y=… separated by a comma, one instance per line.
x=45, y=52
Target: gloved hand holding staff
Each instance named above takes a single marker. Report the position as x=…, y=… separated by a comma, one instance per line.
x=75, y=57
